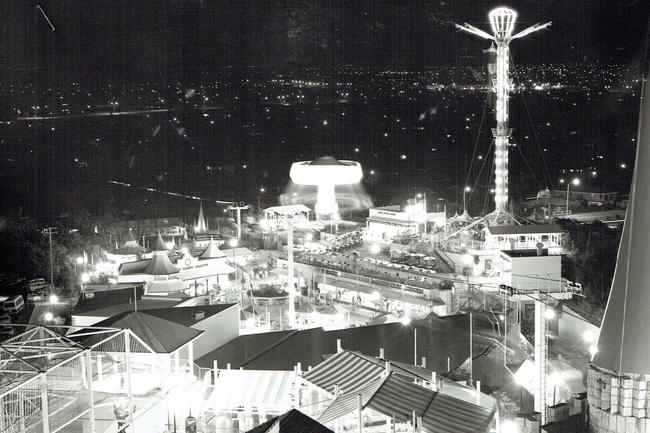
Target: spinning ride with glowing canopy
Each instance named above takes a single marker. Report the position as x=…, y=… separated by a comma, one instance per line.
x=326, y=173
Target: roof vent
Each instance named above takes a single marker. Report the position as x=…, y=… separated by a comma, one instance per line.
x=199, y=315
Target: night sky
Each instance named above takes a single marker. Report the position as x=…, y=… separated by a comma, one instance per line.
x=175, y=39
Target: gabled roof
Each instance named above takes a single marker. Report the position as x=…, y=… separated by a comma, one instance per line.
x=162, y=336
x=293, y=421
x=525, y=229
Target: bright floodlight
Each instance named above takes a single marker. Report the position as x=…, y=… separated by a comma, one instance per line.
x=502, y=21
x=48, y=317
x=405, y=320
x=508, y=426
x=549, y=314
x=54, y=299
x=233, y=243
x=576, y=181
x=375, y=249
x=80, y=260
x=326, y=173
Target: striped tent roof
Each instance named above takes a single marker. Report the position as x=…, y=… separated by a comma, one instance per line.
x=347, y=403
x=270, y=390
x=397, y=396
x=349, y=370
x=352, y=370
x=450, y=415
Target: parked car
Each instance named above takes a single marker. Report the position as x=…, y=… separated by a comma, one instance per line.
x=5, y=319
x=14, y=304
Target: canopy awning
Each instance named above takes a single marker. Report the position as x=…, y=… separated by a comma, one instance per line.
x=163, y=287
x=270, y=391
x=387, y=293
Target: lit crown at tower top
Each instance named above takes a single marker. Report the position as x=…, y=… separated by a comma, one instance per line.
x=502, y=21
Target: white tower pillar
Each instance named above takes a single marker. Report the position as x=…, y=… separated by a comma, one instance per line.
x=502, y=23
x=540, y=357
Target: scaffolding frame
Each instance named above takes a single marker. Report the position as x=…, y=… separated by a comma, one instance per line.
x=48, y=375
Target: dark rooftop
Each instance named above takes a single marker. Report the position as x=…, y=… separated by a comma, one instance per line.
x=160, y=335
x=438, y=338
x=525, y=253
x=293, y=421
x=112, y=310
x=185, y=315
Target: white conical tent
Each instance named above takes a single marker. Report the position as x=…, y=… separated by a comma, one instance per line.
x=212, y=251
x=201, y=224
x=623, y=341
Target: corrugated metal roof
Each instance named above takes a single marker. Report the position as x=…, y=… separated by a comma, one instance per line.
x=348, y=403
x=449, y=415
x=399, y=397
x=346, y=369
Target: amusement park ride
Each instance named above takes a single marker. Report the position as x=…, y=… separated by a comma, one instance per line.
x=502, y=22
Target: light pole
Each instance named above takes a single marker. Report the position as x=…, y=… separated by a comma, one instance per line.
x=259, y=200
x=233, y=245
x=79, y=261
x=465, y=191
x=575, y=182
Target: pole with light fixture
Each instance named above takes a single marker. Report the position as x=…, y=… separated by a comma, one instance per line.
x=575, y=182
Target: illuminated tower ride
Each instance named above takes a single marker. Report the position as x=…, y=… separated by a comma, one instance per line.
x=502, y=21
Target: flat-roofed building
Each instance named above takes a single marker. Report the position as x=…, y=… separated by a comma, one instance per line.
x=524, y=237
